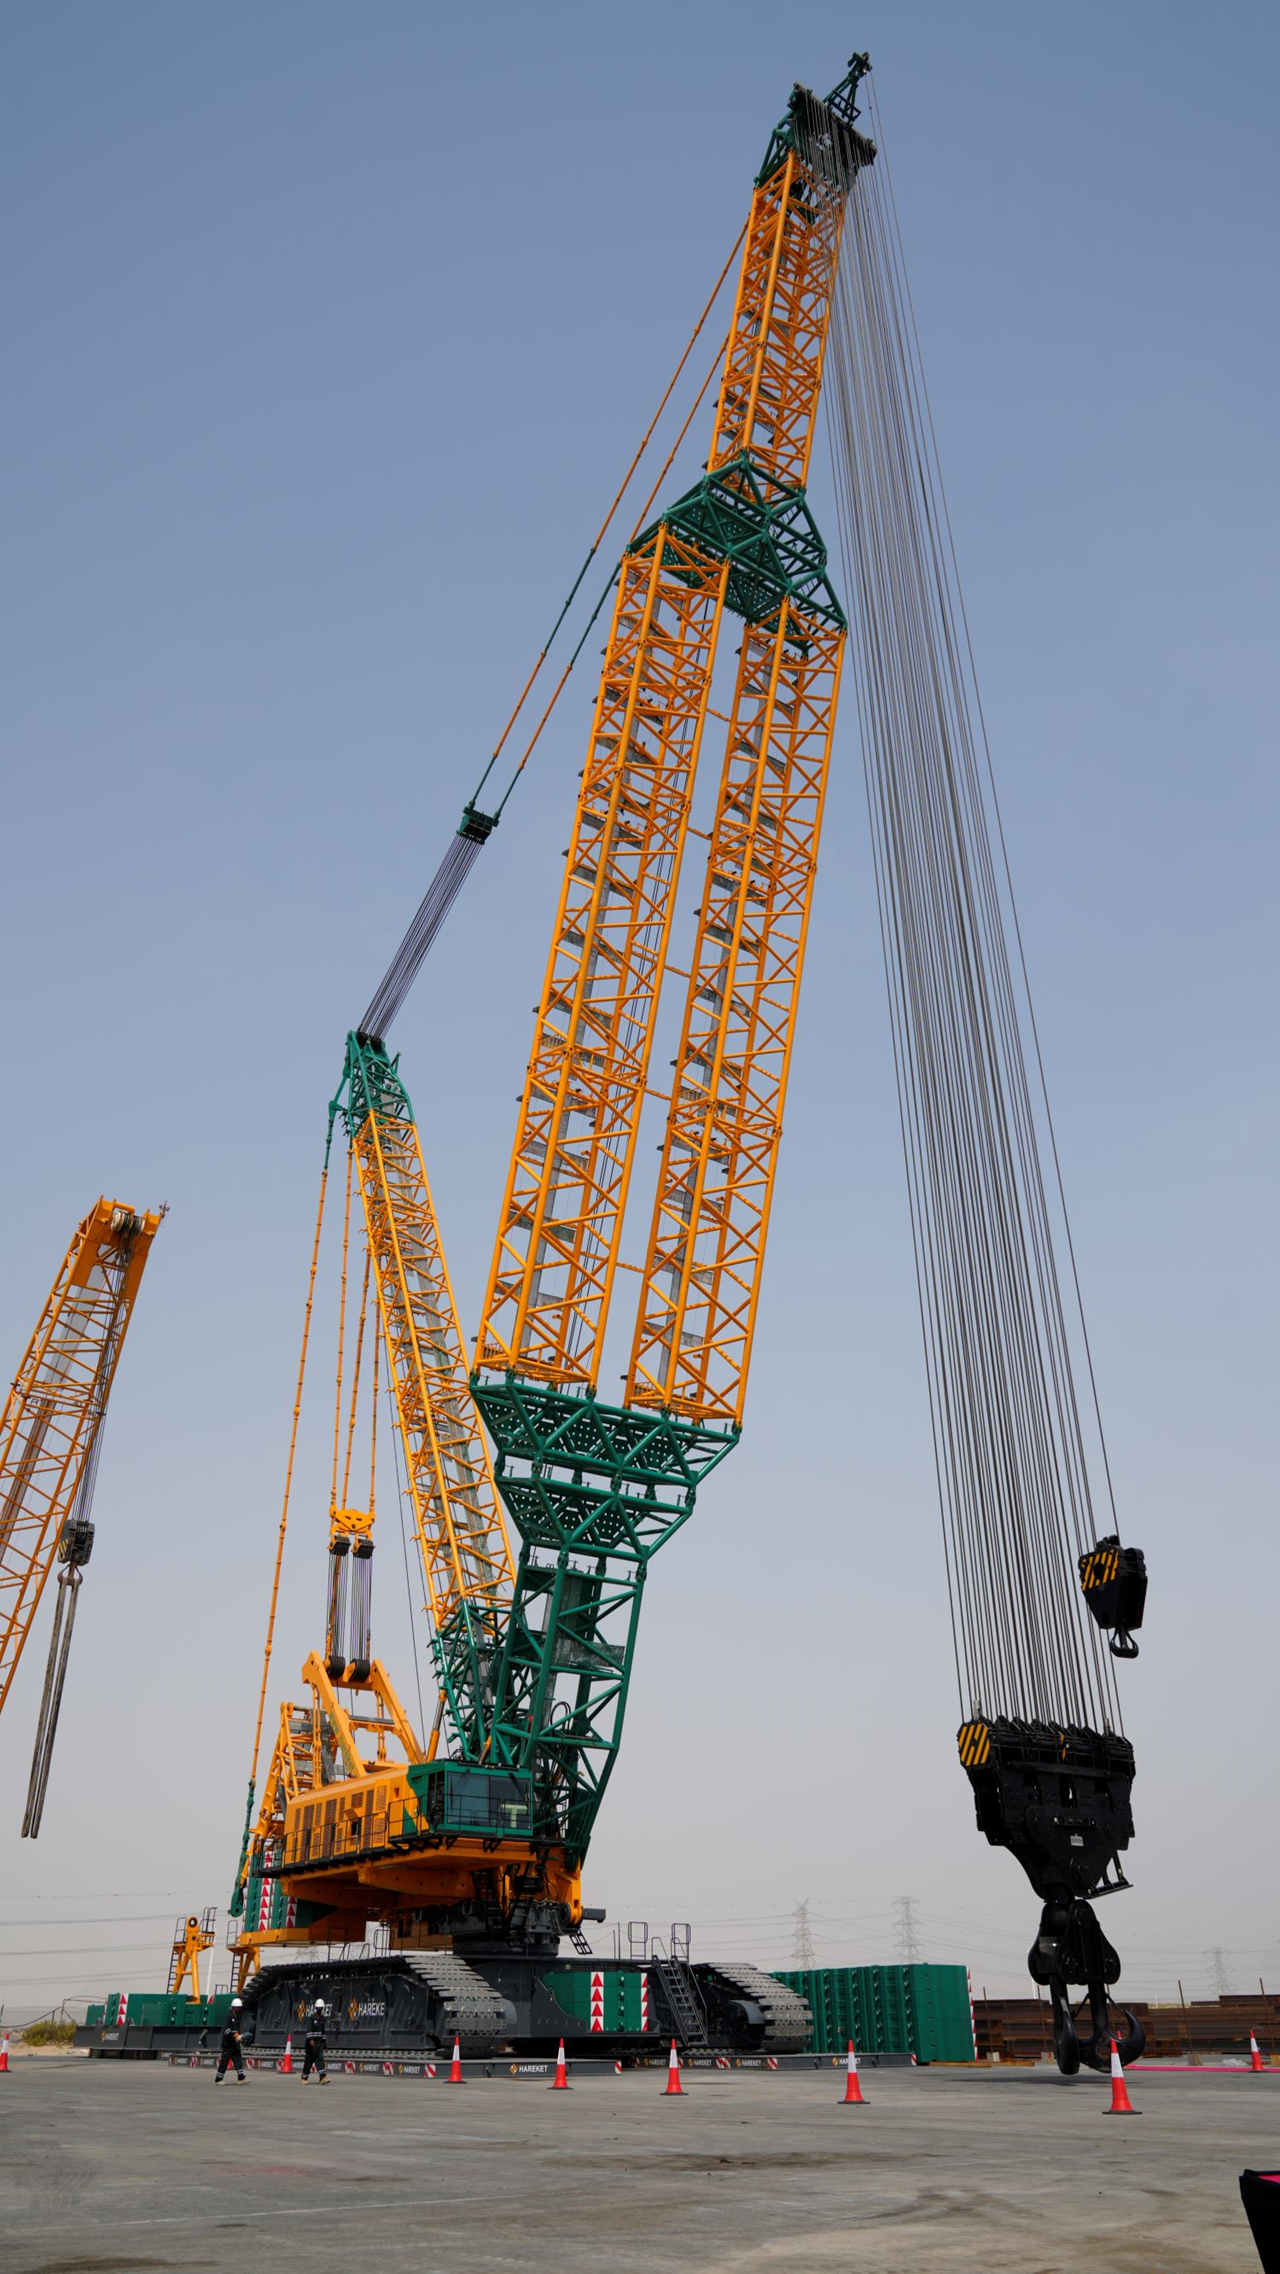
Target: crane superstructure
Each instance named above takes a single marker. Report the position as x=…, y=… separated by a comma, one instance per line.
x=535, y=1558
x=50, y=1440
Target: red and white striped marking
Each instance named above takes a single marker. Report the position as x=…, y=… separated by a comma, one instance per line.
x=122, y=2009
x=597, y=2005
x=266, y=1891
x=644, y=2001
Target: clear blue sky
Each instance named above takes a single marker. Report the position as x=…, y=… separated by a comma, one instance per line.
x=327, y=330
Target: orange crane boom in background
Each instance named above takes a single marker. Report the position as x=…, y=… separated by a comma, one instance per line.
x=50, y=1440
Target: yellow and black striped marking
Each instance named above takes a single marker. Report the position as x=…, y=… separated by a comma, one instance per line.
x=974, y=1741
x=1098, y=1569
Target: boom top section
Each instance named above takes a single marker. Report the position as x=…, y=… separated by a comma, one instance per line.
x=743, y=540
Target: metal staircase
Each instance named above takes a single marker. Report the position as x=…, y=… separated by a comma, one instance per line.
x=683, y=2001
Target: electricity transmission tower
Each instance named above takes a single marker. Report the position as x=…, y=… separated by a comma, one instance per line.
x=1218, y=1958
x=907, y=1939
x=802, y=1950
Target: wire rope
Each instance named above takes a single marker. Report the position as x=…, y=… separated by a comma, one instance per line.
x=288, y=1476
x=1013, y=1450
x=463, y=849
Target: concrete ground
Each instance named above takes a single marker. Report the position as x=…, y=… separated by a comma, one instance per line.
x=108, y=2168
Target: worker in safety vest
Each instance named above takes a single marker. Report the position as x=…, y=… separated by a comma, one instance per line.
x=232, y=2043
x=314, y=2044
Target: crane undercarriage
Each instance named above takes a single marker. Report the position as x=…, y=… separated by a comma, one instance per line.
x=504, y=2001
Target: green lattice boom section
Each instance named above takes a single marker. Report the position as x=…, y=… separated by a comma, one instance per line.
x=594, y=1491
x=743, y=515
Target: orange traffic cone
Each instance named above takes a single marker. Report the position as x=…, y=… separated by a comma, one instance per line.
x=673, y=2073
x=286, y=2063
x=455, y=2066
x=1255, y=2057
x=562, y=2083
x=852, y=2089
x=1121, y=2105
x=4, y=2055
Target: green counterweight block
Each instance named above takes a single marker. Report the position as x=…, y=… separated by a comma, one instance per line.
x=923, y=2010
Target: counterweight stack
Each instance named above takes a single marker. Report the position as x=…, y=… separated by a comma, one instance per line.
x=1018, y=1443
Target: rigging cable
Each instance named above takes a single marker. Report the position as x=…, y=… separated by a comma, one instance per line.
x=1011, y=1448
x=476, y=827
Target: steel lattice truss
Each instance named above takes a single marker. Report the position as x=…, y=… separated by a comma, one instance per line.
x=54, y=1411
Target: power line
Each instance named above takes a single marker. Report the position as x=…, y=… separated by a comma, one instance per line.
x=138, y=1919
x=81, y=1950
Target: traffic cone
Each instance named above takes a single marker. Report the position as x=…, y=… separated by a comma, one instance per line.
x=1121, y=2105
x=286, y=2065
x=673, y=2073
x=4, y=2055
x=1255, y=2057
x=562, y=2077
x=455, y=2066
x=852, y=2089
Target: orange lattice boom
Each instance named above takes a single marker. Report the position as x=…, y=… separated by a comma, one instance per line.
x=558, y=1243
x=557, y=1251
x=466, y=1554
x=54, y=1411
x=706, y=1245
x=777, y=341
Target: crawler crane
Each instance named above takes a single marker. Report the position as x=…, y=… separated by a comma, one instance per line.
x=466, y=1843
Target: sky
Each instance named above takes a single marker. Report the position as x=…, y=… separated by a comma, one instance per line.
x=329, y=331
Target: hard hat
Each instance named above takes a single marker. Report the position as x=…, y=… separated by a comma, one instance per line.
x=237, y=2001
x=320, y=2006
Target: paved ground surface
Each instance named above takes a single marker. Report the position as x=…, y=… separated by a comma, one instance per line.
x=112, y=2168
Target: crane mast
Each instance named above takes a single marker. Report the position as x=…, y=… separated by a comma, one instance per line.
x=457, y=1516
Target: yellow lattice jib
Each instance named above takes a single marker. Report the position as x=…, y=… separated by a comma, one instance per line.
x=461, y=1531
x=702, y=1275
x=562, y=1215
x=778, y=336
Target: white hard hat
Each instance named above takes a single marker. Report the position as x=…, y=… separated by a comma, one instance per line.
x=320, y=2006
x=237, y=2001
